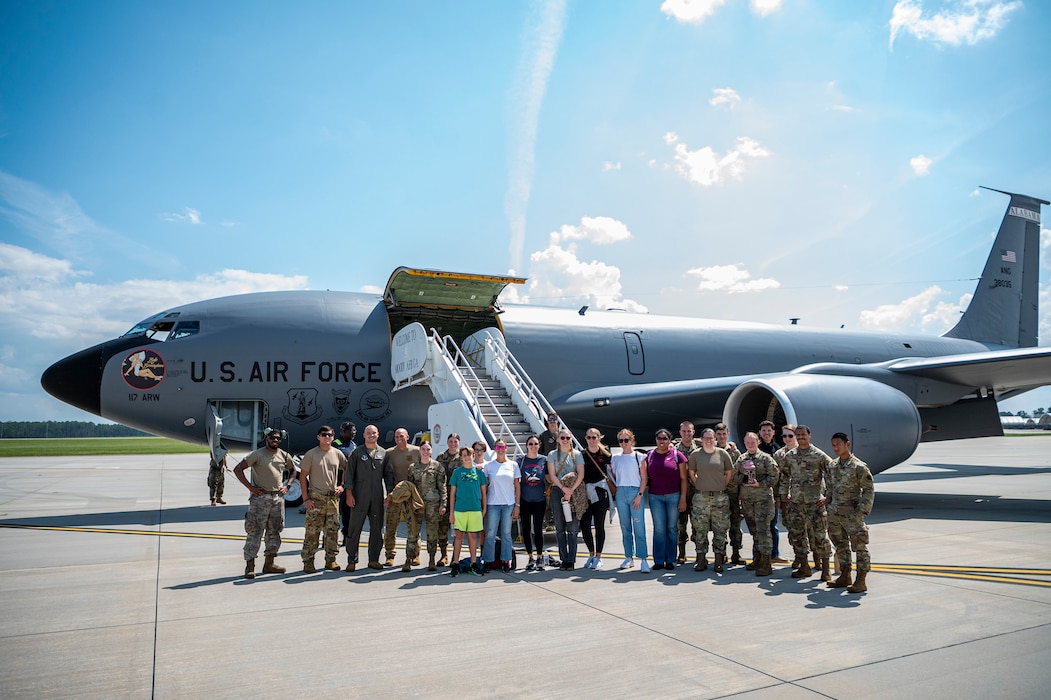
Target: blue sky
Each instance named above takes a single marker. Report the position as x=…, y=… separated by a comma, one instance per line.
x=735, y=159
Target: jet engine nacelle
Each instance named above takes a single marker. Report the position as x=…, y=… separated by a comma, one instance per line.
x=882, y=423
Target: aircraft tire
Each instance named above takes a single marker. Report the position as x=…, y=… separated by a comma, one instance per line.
x=294, y=497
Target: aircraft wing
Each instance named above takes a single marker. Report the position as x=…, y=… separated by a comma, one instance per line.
x=1004, y=370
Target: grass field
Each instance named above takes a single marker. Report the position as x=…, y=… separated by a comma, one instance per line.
x=71, y=447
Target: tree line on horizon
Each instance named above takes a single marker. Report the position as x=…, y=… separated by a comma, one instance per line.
x=65, y=429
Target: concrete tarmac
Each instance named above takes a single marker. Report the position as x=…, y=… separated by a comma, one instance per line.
x=118, y=580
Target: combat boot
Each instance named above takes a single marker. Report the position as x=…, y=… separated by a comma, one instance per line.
x=250, y=568
x=331, y=565
x=701, y=564
x=804, y=569
x=407, y=566
x=431, y=565
x=751, y=566
x=390, y=560
x=859, y=584
x=765, y=566
x=796, y=562
x=682, y=554
x=444, y=561
x=269, y=567
x=308, y=566
x=416, y=559
x=825, y=575
x=843, y=580
x=735, y=558
x=720, y=558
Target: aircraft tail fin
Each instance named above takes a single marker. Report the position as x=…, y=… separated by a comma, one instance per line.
x=1003, y=310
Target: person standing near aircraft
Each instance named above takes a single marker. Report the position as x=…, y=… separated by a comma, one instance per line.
x=565, y=473
x=345, y=444
x=320, y=476
x=664, y=469
x=756, y=475
x=709, y=470
x=501, y=505
x=769, y=445
x=807, y=472
x=450, y=460
x=686, y=443
x=722, y=439
x=533, y=467
x=793, y=517
x=629, y=477
x=398, y=459
x=363, y=489
x=549, y=438
x=217, y=479
x=266, y=504
x=467, y=506
x=596, y=469
x=428, y=476
x=850, y=498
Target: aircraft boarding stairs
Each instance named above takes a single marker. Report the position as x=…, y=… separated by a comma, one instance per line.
x=481, y=390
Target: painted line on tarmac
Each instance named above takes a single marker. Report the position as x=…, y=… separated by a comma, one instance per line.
x=119, y=531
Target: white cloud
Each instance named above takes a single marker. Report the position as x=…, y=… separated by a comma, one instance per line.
x=45, y=215
x=690, y=11
x=189, y=215
x=46, y=300
x=600, y=230
x=724, y=96
x=536, y=62
x=607, y=166
x=764, y=7
x=705, y=167
x=923, y=311
x=371, y=289
x=843, y=108
x=960, y=22
x=558, y=276
x=921, y=164
x=730, y=278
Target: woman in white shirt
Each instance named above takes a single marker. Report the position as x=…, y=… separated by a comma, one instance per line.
x=630, y=480
x=501, y=505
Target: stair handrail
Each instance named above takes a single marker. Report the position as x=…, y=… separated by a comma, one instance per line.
x=460, y=364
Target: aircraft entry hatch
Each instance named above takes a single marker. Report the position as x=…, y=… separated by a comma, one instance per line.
x=455, y=304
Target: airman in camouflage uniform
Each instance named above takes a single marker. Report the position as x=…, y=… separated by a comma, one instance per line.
x=429, y=477
x=756, y=489
x=266, y=505
x=722, y=436
x=850, y=498
x=807, y=468
x=399, y=458
x=321, y=479
x=708, y=471
x=216, y=480
x=793, y=517
x=686, y=444
x=450, y=460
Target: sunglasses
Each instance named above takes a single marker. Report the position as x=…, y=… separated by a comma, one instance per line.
x=663, y=437
x=788, y=435
x=328, y=435
x=567, y=439
x=500, y=448
x=623, y=441
x=592, y=437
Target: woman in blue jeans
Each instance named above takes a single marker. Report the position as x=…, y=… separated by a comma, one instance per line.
x=664, y=469
x=505, y=484
x=627, y=476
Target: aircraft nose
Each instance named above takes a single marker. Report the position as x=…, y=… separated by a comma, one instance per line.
x=77, y=379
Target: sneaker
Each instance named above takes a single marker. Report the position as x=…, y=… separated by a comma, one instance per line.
x=477, y=570
x=454, y=570
x=485, y=568
x=506, y=568
x=531, y=566
x=597, y=564
x=539, y=565
x=627, y=563
x=644, y=567
x=590, y=563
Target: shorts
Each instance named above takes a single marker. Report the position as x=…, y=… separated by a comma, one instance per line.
x=467, y=521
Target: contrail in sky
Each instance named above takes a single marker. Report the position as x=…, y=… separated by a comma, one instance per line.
x=526, y=97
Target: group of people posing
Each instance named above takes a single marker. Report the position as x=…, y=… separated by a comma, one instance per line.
x=707, y=485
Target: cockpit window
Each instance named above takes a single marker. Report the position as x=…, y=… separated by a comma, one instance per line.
x=161, y=327
x=184, y=329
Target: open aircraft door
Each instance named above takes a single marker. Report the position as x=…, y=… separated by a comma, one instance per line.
x=453, y=303
x=239, y=421
x=213, y=429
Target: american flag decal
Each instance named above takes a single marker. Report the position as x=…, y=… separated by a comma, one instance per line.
x=1008, y=256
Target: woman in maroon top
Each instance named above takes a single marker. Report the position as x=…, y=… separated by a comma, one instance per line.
x=664, y=470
